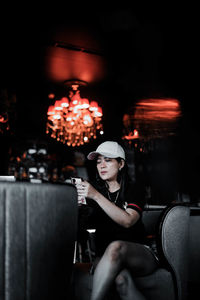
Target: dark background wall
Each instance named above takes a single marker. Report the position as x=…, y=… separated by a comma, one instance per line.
x=148, y=51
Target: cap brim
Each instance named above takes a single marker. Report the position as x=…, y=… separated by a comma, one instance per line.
x=93, y=155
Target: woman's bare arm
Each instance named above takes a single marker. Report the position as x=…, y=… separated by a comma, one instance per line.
x=125, y=218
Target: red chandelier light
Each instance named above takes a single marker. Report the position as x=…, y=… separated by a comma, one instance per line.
x=74, y=120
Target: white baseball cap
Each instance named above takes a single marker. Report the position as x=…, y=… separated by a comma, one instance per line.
x=108, y=149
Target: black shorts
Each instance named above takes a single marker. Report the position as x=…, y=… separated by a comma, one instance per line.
x=152, y=247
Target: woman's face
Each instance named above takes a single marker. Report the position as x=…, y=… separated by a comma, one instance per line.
x=108, y=168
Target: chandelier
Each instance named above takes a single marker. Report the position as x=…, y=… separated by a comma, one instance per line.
x=74, y=120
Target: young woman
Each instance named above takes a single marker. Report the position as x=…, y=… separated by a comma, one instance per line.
x=117, y=208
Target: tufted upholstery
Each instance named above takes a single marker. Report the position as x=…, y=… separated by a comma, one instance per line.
x=37, y=234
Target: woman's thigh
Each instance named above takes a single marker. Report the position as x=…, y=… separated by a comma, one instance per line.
x=139, y=259
x=136, y=257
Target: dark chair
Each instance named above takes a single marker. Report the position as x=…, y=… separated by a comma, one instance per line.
x=38, y=227
x=169, y=281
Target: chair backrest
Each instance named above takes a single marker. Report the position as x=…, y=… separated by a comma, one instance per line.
x=173, y=238
x=150, y=219
x=38, y=225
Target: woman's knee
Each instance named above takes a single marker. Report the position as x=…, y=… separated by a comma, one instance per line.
x=126, y=286
x=116, y=250
x=121, y=282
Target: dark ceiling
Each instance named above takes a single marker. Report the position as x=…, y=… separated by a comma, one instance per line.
x=124, y=54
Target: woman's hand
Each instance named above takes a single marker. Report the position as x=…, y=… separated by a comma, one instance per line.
x=125, y=218
x=85, y=189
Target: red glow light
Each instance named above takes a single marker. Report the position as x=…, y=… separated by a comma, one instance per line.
x=51, y=96
x=157, y=110
x=152, y=118
x=132, y=135
x=63, y=64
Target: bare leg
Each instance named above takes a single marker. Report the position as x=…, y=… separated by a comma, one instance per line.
x=126, y=287
x=120, y=255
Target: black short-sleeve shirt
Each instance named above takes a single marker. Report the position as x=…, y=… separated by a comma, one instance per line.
x=108, y=230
